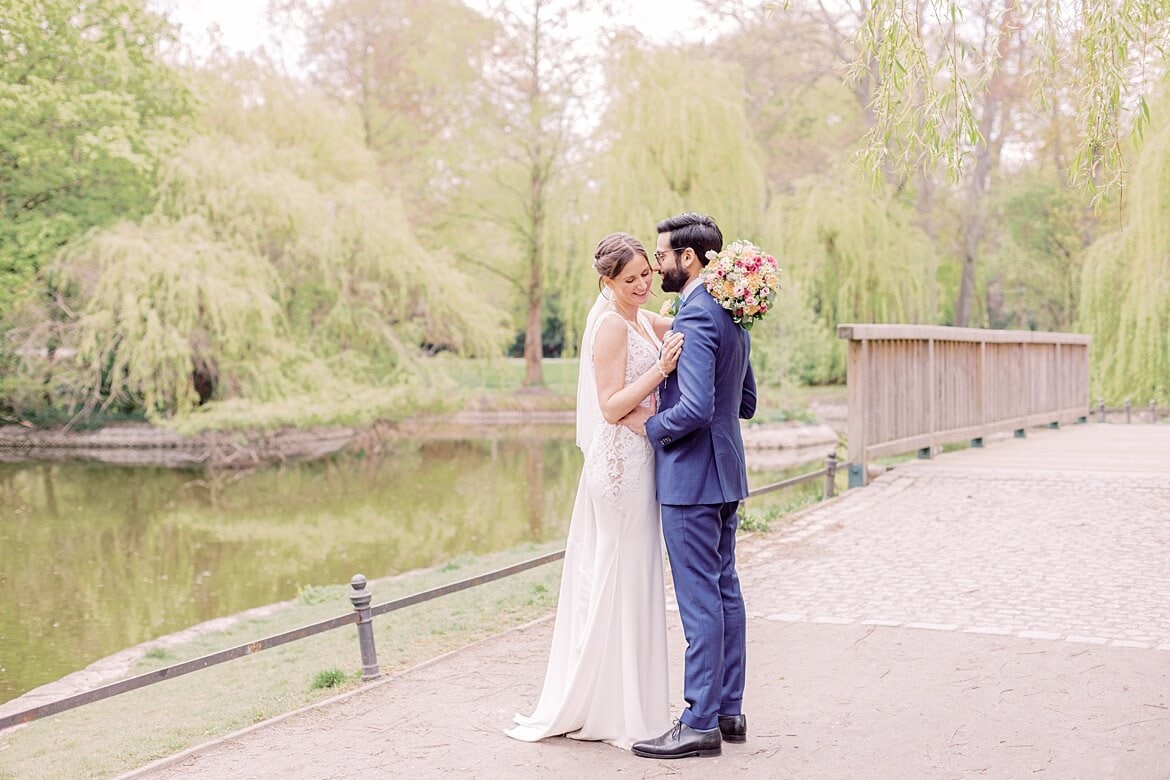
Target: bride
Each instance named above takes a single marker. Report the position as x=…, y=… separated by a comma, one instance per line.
x=607, y=669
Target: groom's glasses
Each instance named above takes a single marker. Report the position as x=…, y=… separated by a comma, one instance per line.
x=660, y=256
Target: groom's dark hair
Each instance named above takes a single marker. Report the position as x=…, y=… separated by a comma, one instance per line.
x=697, y=231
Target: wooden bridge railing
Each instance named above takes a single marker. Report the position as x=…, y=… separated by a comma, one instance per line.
x=914, y=387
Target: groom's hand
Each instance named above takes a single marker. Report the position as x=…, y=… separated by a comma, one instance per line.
x=636, y=420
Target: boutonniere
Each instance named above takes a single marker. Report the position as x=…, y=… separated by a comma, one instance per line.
x=669, y=306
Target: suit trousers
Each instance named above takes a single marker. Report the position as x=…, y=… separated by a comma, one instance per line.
x=700, y=542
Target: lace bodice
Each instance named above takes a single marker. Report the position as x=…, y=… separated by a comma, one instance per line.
x=617, y=457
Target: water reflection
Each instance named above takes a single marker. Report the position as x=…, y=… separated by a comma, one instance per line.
x=94, y=558
x=97, y=558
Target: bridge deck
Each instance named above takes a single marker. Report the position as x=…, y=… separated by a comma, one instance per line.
x=1089, y=448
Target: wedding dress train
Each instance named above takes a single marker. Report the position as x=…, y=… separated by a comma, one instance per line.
x=607, y=669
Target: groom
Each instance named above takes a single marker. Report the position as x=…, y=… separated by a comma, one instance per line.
x=701, y=478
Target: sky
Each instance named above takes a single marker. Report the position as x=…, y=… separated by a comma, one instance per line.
x=243, y=28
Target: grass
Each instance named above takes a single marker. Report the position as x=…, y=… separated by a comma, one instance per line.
x=168, y=717
x=171, y=716
x=496, y=384
x=752, y=522
x=330, y=678
x=791, y=403
x=767, y=508
x=505, y=375
x=456, y=383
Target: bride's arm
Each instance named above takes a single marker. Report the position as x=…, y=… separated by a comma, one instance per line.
x=614, y=396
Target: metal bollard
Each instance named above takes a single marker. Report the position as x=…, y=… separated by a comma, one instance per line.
x=1153, y=412
x=1101, y=408
x=1127, y=412
x=365, y=624
x=830, y=475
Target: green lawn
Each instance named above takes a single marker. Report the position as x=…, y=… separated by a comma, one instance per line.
x=498, y=383
x=506, y=375
x=126, y=731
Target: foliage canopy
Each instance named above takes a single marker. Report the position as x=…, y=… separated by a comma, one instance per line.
x=273, y=269
x=89, y=110
x=1125, y=289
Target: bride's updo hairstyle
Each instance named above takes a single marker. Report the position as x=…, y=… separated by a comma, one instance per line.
x=614, y=252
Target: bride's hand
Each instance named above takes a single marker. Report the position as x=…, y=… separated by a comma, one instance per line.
x=636, y=419
x=671, y=349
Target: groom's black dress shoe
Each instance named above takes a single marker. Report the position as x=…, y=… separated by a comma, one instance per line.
x=680, y=742
x=733, y=727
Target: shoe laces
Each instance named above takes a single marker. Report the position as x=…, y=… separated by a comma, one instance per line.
x=676, y=730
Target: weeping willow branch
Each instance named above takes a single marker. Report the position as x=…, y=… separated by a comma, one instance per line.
x=276, y=267
x=1125, y=290
x=923, y=101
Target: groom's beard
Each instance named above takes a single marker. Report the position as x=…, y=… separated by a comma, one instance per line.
x=674, y=279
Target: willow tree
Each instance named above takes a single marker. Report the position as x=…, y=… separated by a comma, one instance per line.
x=413, y=69
x=1125, y=289
x=508, y=221
x=854, y=255
x=986, y=46
x=924, y=98
x=275, y=269
x=674, y=136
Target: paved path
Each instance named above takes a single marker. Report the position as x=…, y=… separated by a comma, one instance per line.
x=1001, y=612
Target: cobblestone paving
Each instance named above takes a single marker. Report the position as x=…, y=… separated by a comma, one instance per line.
x=1031, y=552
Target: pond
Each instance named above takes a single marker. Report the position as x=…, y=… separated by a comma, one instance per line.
x=96, y=558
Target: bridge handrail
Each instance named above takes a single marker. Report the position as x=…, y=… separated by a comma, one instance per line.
x=917, y=387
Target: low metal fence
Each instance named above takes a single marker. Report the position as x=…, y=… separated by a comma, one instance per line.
x=1130, y=411
x=362, y=616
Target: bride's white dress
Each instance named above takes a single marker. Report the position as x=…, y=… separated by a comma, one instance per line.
x=607, y=670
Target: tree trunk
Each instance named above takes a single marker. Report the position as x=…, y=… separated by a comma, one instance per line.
x=925, y=205
x=972, y=235
x=533, y=336
x=974, y=220
x=533, y=368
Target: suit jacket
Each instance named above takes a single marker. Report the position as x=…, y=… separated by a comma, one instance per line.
x=698, y=456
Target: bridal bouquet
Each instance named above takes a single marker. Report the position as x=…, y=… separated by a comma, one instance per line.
x=743, y=279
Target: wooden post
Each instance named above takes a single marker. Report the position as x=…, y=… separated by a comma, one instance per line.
x=857, y=379
x=932, y=421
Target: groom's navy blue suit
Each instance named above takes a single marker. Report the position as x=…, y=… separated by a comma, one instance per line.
x=701, y=478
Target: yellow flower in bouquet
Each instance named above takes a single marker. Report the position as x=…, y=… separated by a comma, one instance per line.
x=743, y=279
